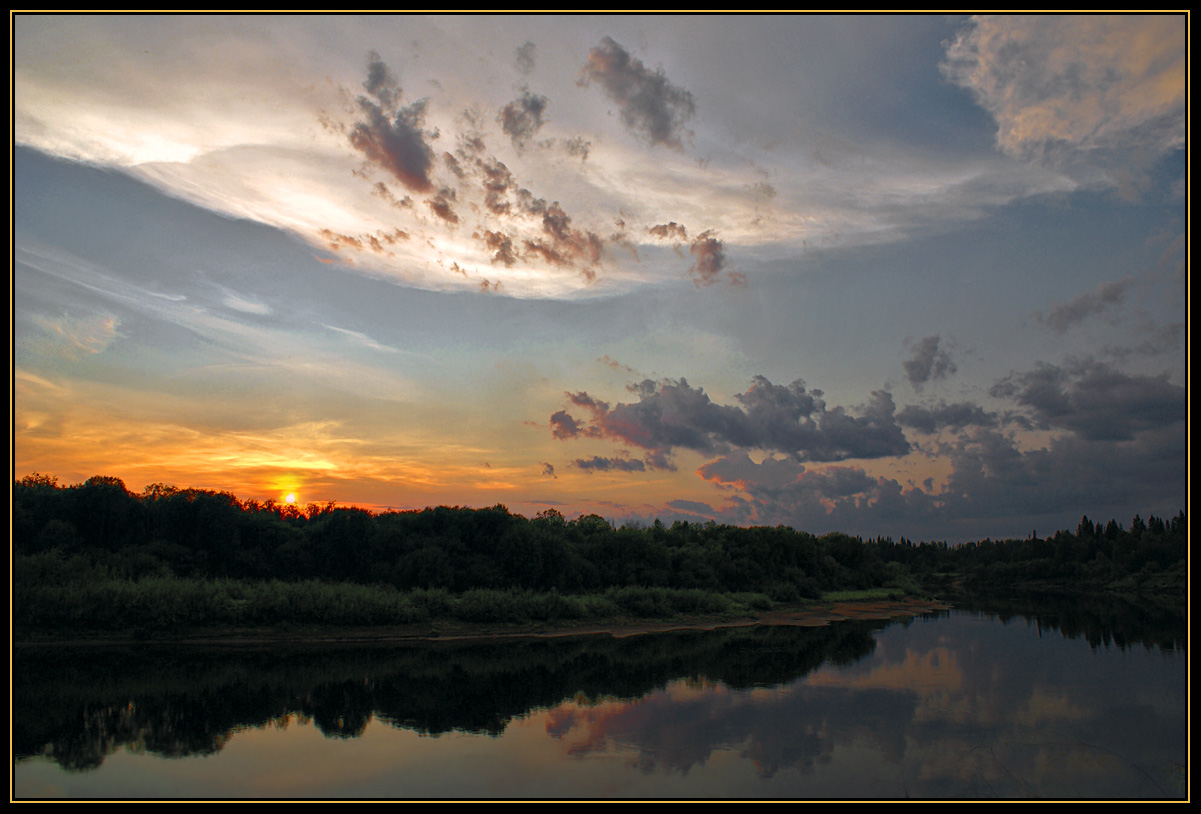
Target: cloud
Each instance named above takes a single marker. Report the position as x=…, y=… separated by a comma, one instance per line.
x=362, y=339
x=548, y=470
x=995, y=488
x=1163, y=339
x=524, y=58
x=578, y=147
x=669, y=231
x=391, y=136
x=498, y=181
x=566, y=246
x=931, y=420
x=521, y=118
x=1080, y=82
x=692, y=506
x=710, y=257
x=245, y=305
x=927, y=362
x=1095, y=400
x=501, y=245
x=784, y=418
x=1107, y=295
x=650, y=106
x=440, y=205
x=76, y=337
x=599, y=464
x=563, y=425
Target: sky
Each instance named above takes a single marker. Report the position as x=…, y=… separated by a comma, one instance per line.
x=920, y=276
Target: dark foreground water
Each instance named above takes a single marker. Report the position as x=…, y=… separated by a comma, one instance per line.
x=1053, y=704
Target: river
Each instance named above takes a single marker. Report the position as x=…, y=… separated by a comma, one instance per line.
x=1059, y=700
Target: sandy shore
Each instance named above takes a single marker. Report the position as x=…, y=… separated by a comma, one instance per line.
x=449, y=630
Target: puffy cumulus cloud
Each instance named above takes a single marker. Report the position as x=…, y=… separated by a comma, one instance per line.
x=521, y=118
x=441, y=205
x=669, y=231
x=650, y=106
x=932, y=420
x=1081, y=82
x=710, y=254
x=1108, y=295
x=563, y=245
x=995, y=488
x=927, y=362
x=563, y=425
x=1095, y=400
x=391, y=136
x=501, y=246
x=377, y=242
x=835, y=498
x=785, y=418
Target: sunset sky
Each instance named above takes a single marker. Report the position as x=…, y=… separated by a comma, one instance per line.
x=920, y=275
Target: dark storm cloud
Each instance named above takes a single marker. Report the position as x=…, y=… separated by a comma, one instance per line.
x=524, y=58
x=650, y=106
x=391, y=136
x=1095, y=400
x=931, y=420
x=521, y=118
x=927, y=362
x=710, y=257
x=785, y=418
x=1107, y=295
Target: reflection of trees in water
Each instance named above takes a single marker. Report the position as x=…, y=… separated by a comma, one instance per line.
x=1102, y=621
x=78, y=706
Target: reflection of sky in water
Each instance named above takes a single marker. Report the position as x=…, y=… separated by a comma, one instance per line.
x=957, y=706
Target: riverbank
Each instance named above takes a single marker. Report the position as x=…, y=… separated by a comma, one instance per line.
x=814, y=615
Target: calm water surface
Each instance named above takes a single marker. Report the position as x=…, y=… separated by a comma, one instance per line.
x=959, y=704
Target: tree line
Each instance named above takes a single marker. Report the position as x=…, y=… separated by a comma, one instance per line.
x=100, y=528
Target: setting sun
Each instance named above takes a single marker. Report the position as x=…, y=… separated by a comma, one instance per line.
x=290, y=497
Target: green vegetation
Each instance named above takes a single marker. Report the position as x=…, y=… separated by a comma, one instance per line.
x=96, y=557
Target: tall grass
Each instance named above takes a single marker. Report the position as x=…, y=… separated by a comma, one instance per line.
x=173, y=603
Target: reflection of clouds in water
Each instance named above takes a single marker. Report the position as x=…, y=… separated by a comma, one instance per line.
x=965, y=707
x=789, y=727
